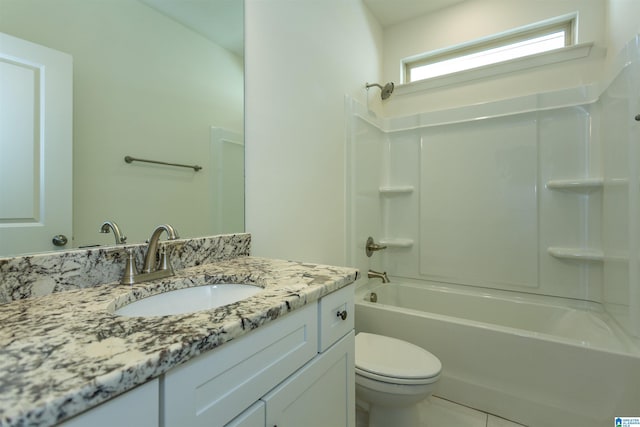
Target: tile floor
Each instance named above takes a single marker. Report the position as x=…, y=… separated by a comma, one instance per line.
x=436, y=412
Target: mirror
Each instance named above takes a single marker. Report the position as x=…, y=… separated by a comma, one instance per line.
x=153, y=79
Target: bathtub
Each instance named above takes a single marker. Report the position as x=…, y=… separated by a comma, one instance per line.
x=540, y=361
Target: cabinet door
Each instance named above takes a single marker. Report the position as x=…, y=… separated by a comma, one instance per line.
x=215, y=387
x=320, y=394
x=252, y=417
x=138, y=407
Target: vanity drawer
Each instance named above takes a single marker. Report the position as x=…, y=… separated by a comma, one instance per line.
x=216, y=386
x=336, y=312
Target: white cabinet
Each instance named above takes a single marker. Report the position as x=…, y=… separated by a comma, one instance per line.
x=138, y=407
x=300, y=366
x=320, y=394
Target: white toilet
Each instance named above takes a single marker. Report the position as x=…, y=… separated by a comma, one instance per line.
x=392, y=377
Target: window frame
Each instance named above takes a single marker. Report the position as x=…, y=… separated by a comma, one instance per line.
x=568, y=24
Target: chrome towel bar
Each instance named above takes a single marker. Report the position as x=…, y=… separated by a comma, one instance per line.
x=130, y=159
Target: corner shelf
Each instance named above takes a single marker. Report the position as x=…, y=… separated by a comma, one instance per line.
x=581, y=185
x=397, y=243
x=578, y=254
x=396, y=189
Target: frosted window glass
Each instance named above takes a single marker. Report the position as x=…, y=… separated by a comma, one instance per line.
x=490, y=56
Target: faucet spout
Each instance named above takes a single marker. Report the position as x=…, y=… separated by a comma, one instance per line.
x=378, y=275
x=111, y=225
x=150, y=262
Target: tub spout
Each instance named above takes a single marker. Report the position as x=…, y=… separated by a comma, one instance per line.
x=377, y=275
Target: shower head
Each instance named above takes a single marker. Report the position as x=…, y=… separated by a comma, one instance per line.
x=386, y=91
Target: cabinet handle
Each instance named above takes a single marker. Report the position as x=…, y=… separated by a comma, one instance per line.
x=342, y=314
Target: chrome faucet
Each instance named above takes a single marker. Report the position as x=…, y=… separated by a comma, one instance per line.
x=111, y=225
x=377, y=275
x=155, y=267
x=150, y=264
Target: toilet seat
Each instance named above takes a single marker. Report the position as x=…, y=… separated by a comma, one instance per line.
x=394, y=361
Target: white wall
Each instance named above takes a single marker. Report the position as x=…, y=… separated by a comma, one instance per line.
x=301, y=58
x=475, y=19
x=144, y=86
x=622, y=24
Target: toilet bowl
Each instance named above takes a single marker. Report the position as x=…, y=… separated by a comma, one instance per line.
x=392, y=377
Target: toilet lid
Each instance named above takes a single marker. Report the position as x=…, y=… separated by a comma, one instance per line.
x=393, y=358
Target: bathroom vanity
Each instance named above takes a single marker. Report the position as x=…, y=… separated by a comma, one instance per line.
x=294, y=371
x=281, y=357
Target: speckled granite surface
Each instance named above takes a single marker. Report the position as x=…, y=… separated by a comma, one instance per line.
x=66, y=352
x=41, y=274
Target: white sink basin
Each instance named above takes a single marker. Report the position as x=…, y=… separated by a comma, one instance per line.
x=189, y=300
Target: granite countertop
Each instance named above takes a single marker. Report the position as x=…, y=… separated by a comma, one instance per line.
x=64, y=353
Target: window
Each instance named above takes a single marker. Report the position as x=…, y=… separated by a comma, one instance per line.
x=517, y=44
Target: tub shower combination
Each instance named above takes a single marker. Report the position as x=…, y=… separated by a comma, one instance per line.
x=512, y=248
x=540, y=361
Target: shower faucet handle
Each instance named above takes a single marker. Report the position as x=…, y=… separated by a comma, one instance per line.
x=372, y=247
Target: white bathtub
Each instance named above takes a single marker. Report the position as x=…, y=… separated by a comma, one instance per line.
x=541, y=361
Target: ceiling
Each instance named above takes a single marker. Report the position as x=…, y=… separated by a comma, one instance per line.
x=390, y=12
x=220, y=21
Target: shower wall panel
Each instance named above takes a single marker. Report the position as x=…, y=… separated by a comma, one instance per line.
x=569, y=219
x=478, y=214
x=621, y=205
x=402, y=209
x=365, y=157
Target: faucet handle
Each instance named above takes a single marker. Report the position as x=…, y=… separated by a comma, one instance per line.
x=130, y=269
x=372, y=247
x=163, y=262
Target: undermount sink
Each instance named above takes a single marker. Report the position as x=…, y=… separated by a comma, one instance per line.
x=189, y=300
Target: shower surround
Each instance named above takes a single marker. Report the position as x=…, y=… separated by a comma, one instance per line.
x=535, y=195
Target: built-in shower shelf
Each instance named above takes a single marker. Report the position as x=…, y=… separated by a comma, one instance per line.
x=579, y=254
x=397, y=243
x=583, y=185
x=396, y=189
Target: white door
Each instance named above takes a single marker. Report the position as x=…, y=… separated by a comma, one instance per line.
x=35, y=147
